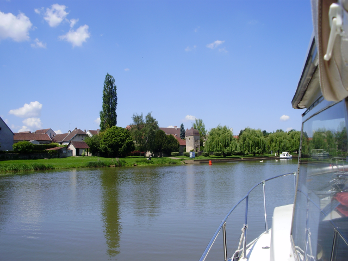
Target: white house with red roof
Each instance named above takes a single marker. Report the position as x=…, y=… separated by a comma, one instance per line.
x=175, y=131
x=51, y=133
x=66, y=138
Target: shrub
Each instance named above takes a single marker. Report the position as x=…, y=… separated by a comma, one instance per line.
x=175, y=153
x=96, y=164
x=116, y=142
x=23, y=147
x=217, y=153
x=187, y=154
x=206, y=154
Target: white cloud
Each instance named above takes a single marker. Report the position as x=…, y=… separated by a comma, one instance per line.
x=14, y=27
x=196, y=29
x=23, y=129
x=223, y=50
x=97, y=121
x=190, y=118
x=33, y=123
x=37, y=10
x=289, y=129
x=55, y=15
x=58, y=132
x=171, y=126
x=73, y=22
x=284, y=118
x=215, y=44
x=28, y=110
x=188, y=48
x=127, y=69
x=77, y=37
x=38, y=44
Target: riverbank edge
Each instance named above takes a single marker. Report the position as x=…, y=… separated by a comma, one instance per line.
x=203, y=161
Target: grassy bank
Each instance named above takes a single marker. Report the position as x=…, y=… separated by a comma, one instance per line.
x=10, y=166
x=15, y=166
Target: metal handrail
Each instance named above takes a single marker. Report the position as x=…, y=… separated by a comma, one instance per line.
x=222, y=226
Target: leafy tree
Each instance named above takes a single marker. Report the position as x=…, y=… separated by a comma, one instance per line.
x=220, y=139
x=265, y=133
x=94, y=143
x=342, y=141
x=294, y=140
x=108, y=116
x=182, y=131
x=144, y=132
x=199, y=125
x=278, y=141
x=151, y=126
x=116, y=142
x=171, y=144
x=137, y=131
x=23, y=147
x=252, y=141
x=160, y=141
x=165, y=143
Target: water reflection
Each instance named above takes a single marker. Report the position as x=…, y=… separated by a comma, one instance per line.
x=111, y=211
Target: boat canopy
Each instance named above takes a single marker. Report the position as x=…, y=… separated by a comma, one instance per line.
x=326, y=67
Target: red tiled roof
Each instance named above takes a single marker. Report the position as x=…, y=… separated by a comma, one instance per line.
x=79, y=144
x=30, y=136
x=55, y=148
x=43, y=131
x=191, y=132
x=172, y=131
x=181, y=141
x=68, y=136
x=94, y=132
x=59, y=137
x=73, y=134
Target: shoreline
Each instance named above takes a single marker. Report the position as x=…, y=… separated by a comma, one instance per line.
x=202, y=161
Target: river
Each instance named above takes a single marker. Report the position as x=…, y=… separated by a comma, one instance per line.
x=140, y=213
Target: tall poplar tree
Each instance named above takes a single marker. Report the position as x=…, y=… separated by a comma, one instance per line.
x=182, y=131
x=108, y=116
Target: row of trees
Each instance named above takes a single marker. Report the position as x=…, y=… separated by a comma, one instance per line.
x=251, y=141
x=144, y=134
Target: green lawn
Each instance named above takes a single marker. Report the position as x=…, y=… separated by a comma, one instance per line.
x=8, y=166
x=13, y=166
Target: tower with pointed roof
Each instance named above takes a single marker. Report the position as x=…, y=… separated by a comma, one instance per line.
x=192, y=140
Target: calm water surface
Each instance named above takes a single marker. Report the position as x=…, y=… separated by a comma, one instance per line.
x=145, y=213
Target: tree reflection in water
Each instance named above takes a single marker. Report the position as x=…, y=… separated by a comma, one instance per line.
x=110, y=211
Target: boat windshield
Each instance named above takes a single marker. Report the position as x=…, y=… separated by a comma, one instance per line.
x=320, y=224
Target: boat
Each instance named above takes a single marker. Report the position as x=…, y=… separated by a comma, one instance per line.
x=315, y=225
x=285, y=155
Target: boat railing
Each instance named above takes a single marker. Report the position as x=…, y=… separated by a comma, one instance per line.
x=243, y=239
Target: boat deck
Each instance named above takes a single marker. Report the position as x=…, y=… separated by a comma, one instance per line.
x=274, y=244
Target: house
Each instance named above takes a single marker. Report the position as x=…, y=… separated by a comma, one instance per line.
x=32, y=137
x=6, y=136
x=192, y=140
x=66, y=138
x=91, y=133
x=49, y=132
x=61, y=151
x=182, y=144
x=176, y=133
x=78, y=148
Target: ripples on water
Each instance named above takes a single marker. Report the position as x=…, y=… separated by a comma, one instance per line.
x=133, y=213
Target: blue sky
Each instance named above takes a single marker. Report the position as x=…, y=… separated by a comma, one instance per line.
x=233, y=63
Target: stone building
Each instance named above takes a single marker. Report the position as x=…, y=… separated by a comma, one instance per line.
x=192, y=140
